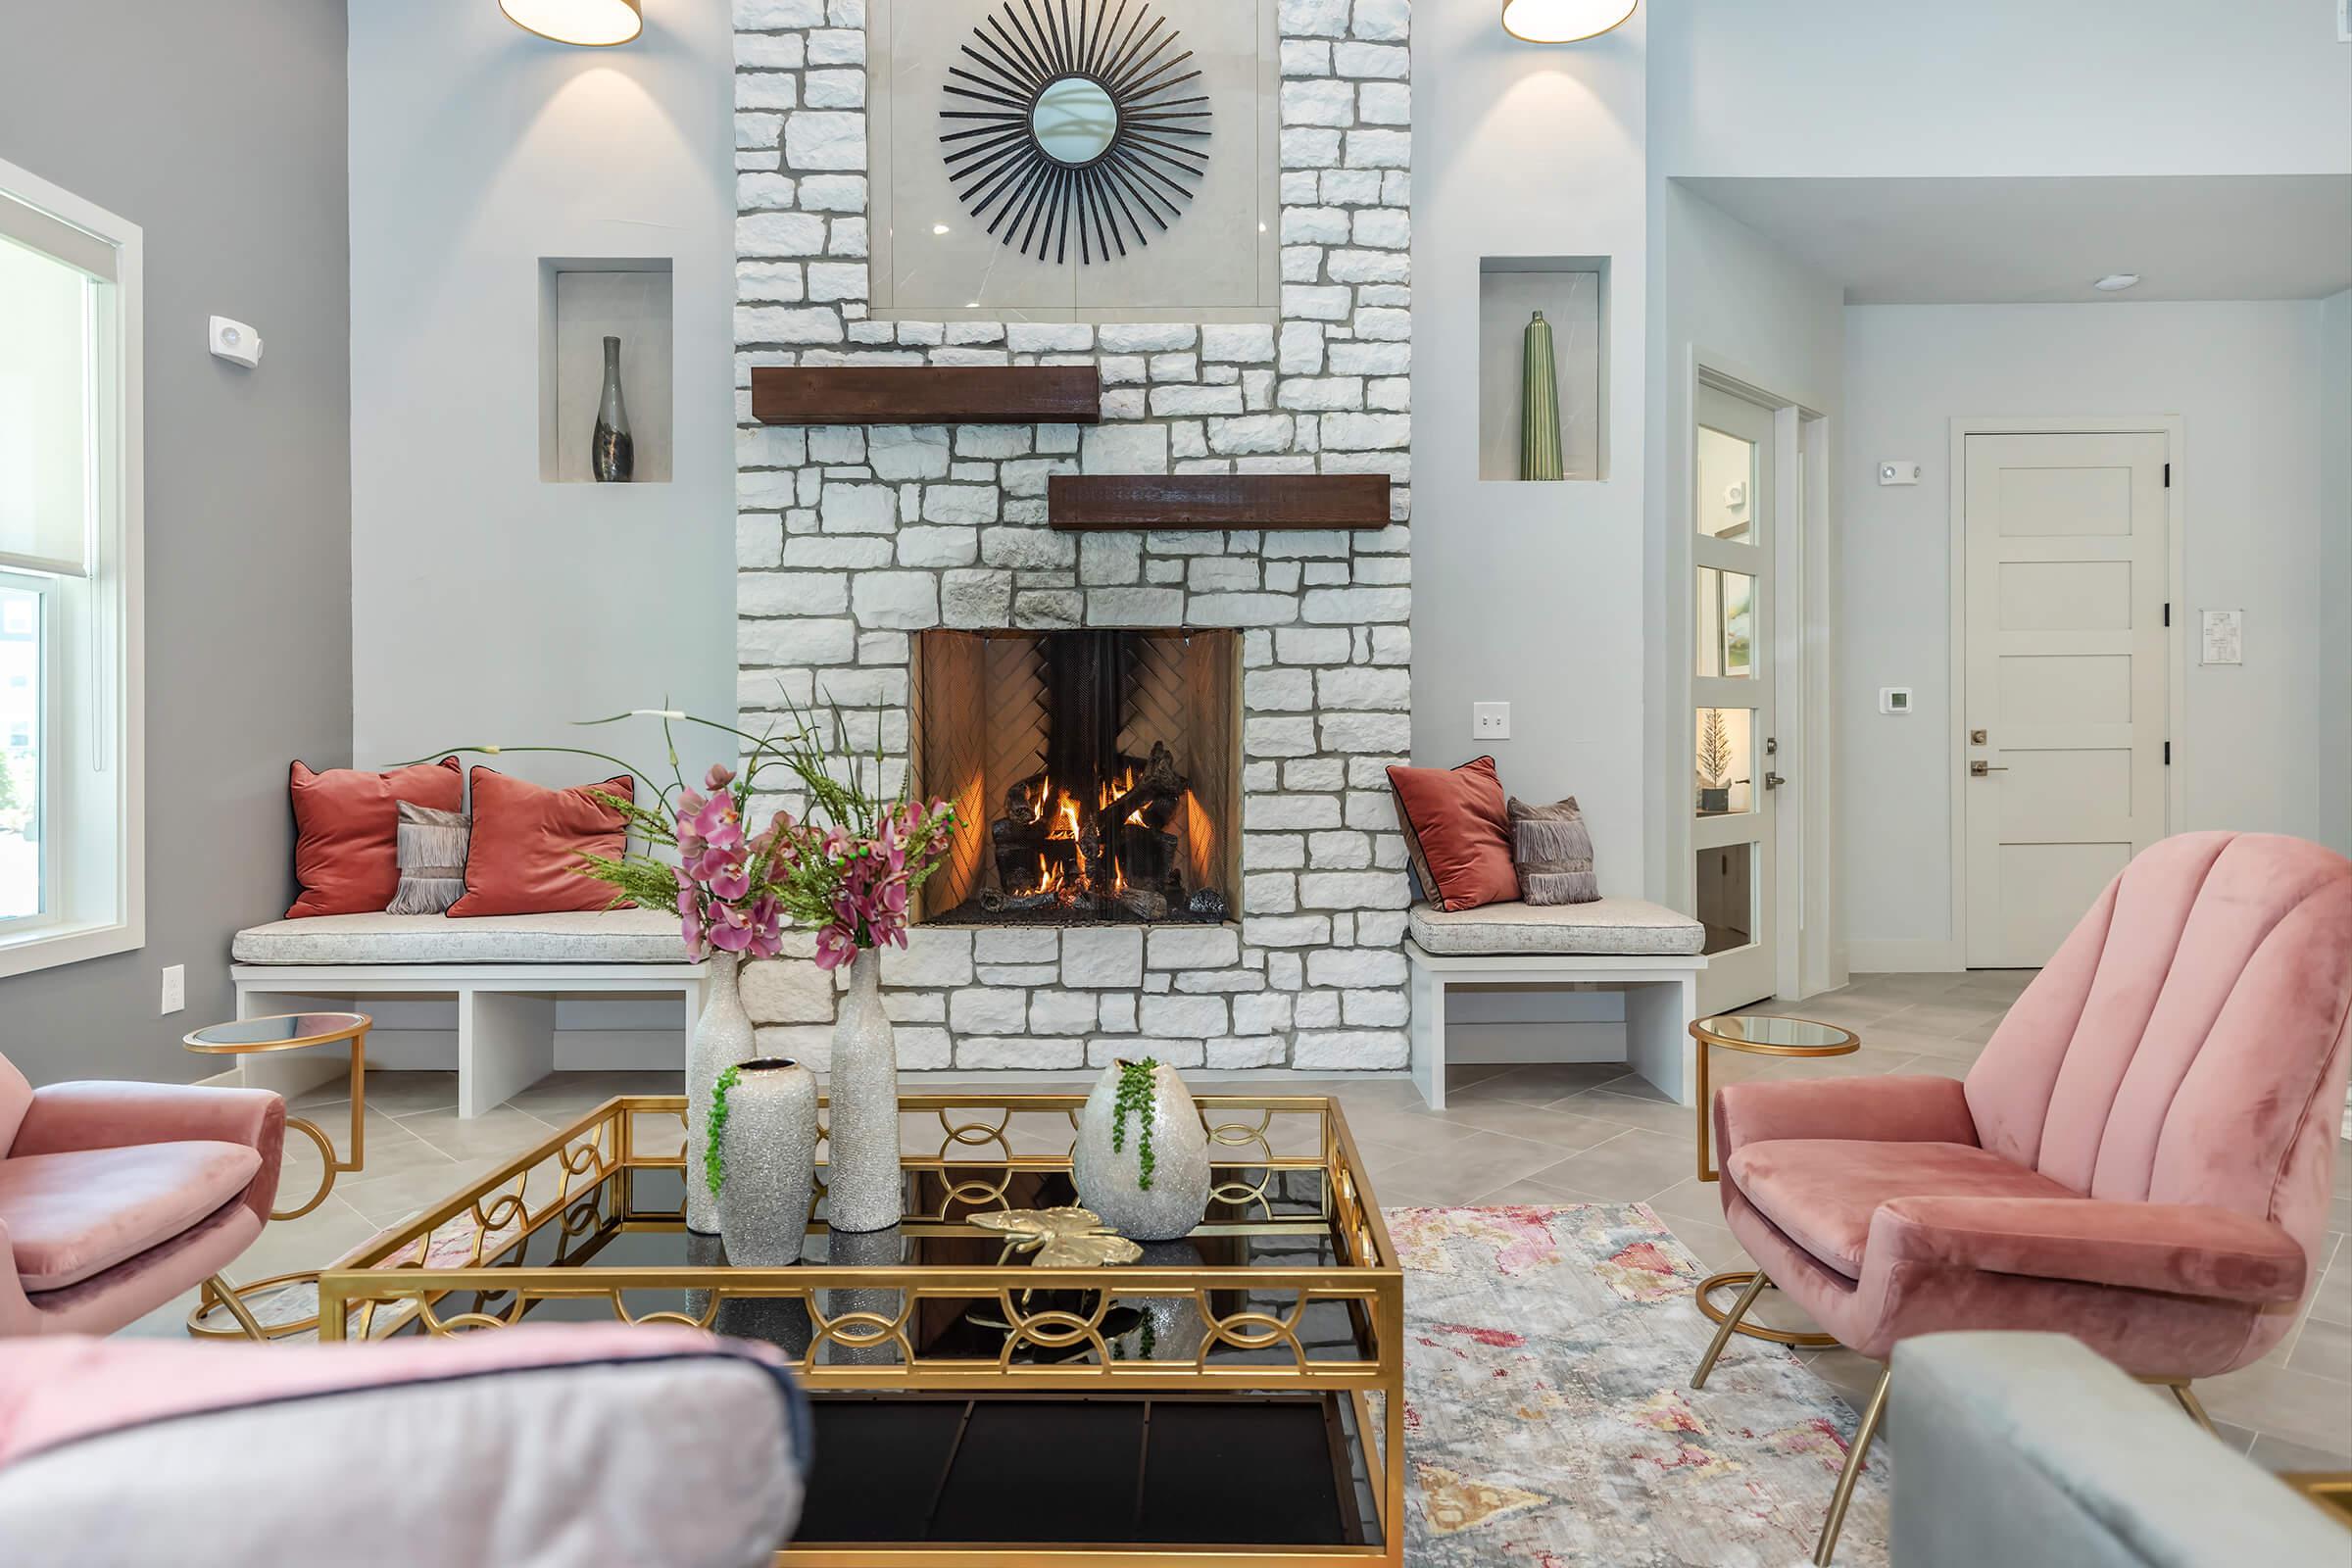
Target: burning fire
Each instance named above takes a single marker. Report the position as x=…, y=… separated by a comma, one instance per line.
x=1067, y=828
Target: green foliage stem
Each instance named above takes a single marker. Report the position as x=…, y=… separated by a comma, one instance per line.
x=715, y=1153
x=1138, y=1089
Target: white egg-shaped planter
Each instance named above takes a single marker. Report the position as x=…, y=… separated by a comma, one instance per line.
x=1115, y=1131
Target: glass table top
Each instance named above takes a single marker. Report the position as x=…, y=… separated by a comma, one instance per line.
x=1755, y=1031
x=280, y=1032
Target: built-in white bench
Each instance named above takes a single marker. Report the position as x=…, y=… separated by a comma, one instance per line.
x=1648, y=950
x=505, y=972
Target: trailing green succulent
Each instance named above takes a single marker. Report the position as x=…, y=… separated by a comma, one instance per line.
x=715, y=1150
x=1137, y=1092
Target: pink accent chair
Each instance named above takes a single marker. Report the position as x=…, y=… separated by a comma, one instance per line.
x=117, y=1197
x=2143, y=1156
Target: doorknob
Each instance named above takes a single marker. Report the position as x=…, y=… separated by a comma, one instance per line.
x=1979, y=769
x=1772, y=781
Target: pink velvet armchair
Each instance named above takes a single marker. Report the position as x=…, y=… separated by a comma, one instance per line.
x=2141, y=1158
x=117, y=1197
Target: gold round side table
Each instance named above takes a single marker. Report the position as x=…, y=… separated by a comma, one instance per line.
x=289, y=1031
x=1760, y=1034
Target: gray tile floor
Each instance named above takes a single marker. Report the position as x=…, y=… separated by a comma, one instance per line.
x=1526, y=1134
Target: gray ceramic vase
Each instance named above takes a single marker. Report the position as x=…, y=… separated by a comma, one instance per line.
x=769, y=1146
x=1107, y=1163
x=865, y=1189
x=722, y=1038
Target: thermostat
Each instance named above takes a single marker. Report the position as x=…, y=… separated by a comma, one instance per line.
x=1898, y=474
x=1895, y=699
x=234, y=342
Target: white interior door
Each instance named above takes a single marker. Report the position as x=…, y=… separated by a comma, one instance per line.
x=1733, y=747
x=2064, y=708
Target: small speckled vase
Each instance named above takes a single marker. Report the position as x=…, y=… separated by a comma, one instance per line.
x=722, y=1038
x=864, y=1188
x=1108, y=1160
x=769, y=1146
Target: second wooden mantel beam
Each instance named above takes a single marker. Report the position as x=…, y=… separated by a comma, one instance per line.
x=1083, y=503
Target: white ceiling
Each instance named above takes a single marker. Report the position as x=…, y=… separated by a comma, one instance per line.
x=2040, y=241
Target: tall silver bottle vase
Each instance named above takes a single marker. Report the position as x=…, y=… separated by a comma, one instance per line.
x=722, y=1038
x=770, y=1150
x=865, y=1189
x=1106, y=1162
x=613, y=453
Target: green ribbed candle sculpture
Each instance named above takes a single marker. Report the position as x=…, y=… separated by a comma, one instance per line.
x=1539, y=405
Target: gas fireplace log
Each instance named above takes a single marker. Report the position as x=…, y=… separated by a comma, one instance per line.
x=1143, y=902
x=996, y=903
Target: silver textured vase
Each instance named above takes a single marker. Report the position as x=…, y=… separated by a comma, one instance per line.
x=768, y=1146
x=864, y=1188
x=722, y=1038
x=1107, y=1163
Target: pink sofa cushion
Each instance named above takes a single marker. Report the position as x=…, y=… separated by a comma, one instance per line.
x=16, y=1096
x=1821, y=1192
x=79, y=1213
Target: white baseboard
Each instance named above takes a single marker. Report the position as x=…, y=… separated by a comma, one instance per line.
x=1932, y=956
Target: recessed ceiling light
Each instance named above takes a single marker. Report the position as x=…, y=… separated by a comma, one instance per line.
x=1563, y=20
x=593, y=22
x=2116, y=282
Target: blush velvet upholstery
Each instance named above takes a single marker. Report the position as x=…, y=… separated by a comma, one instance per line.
x=572, y=1446
x=117, y=1197
x=2141, y=1158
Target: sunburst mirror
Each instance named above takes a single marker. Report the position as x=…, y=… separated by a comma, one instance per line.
x=1081, y=121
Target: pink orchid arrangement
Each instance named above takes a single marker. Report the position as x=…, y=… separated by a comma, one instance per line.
x=849, y=870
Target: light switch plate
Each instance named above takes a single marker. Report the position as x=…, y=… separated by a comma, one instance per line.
x=1490, y=721
x=176, y=987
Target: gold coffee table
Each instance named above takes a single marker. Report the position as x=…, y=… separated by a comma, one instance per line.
x=1761, y=1035
x=287, y=1031
x=1231, y=1399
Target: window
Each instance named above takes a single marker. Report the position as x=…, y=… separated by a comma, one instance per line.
x=71, y=876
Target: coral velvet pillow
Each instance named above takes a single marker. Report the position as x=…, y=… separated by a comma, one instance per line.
x=345, y=826
x=1456, y=832
x=524, y=856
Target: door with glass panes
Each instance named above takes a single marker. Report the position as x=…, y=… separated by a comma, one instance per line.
x=1732, y=750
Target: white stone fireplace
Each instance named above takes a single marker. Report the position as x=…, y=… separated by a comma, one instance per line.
x=853, y=541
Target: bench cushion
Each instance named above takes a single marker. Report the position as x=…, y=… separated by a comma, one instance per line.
x=1610, y=926
x=608, y=936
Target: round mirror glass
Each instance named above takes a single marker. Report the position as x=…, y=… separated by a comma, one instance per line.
x=1073, y=120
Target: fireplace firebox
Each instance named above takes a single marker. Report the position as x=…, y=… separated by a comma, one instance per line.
x=1095, y=774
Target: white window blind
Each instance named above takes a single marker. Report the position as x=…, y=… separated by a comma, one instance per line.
x=53, y=280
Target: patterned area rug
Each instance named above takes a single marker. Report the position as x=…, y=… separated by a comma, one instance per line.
x=1550, y=1416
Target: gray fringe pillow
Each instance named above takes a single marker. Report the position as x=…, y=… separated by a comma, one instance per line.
x=1552, y=851
x=431, y=849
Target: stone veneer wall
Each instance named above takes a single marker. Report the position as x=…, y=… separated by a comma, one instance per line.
x=851, y=539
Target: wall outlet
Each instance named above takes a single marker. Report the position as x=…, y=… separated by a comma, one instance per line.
x=176, y=987
x=1895, y=699
x=1490, y=721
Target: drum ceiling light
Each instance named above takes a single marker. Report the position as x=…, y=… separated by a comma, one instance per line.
x=593, y=23
x=1563, y=20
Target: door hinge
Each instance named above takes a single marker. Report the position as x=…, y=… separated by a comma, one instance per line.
x=2168, y=476
x=2168, y=611
x=2168, y=754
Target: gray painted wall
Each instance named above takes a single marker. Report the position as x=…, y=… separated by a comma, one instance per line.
x=241, y=192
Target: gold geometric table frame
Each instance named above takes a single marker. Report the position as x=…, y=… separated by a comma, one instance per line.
x=1712, y=1037
x=217, y=1297
x=460, y=1267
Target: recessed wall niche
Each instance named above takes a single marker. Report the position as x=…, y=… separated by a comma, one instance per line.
x=583, y=301
x=1572, y=292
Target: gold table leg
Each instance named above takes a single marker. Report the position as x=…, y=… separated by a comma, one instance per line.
x=218, y=1294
